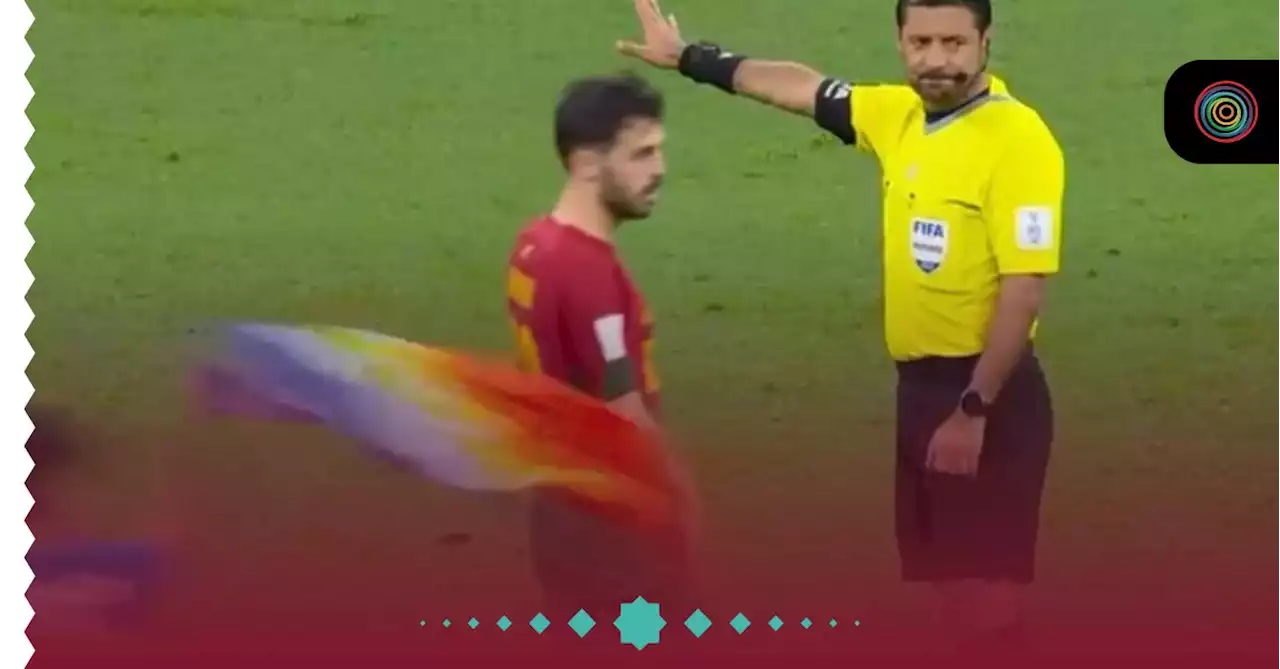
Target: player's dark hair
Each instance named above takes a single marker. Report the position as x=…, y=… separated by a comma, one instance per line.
x=592, y=111
x=981, y=10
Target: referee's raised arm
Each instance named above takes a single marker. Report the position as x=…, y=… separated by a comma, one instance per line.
x=793, y=87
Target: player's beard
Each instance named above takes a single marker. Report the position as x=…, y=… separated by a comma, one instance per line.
x=623, y=205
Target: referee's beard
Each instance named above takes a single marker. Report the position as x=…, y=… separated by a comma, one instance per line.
x=943, y=91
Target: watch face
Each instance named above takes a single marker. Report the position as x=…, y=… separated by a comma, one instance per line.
x=972, y=404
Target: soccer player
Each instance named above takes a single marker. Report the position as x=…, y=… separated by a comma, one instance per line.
x=973, y=187
x=580, y=318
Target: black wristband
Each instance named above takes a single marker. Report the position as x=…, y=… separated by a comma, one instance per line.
x=706, y=63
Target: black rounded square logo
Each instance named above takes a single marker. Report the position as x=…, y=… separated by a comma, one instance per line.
x=1223, y=112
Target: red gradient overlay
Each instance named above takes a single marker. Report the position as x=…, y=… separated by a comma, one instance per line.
x=310, y=553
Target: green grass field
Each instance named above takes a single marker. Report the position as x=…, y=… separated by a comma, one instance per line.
x=367, y=163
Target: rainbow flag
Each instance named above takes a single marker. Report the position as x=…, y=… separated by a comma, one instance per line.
x=456, y=419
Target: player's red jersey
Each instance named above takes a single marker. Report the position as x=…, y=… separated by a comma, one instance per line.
x=578, y=316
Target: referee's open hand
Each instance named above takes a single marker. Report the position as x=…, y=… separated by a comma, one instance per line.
x=956, y=446
x=662, y=44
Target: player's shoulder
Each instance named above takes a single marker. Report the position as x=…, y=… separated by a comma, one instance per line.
x=550, y=249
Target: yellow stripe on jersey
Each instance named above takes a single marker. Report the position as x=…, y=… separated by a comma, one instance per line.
x=528, y=357
x=520, y=288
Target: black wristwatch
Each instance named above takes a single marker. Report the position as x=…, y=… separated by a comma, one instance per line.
x=972, y=404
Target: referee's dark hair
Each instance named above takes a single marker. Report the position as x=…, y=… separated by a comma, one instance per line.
x=981, y=10
x=592, y=111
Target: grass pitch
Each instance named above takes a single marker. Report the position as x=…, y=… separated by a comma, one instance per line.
x=368, y=163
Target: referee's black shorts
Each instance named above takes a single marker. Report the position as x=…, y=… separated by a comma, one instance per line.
x=960, y=528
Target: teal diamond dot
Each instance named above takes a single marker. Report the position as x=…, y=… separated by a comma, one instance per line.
x=740, y=623
x=446, y=623
x=473, y=623
x=806, y=623
x=698, y=623
x=776, y=623
x=504, y=623
x=833, y=622
x=539, y=623
x=857, y=623
x=422, y=623
x=581, y=623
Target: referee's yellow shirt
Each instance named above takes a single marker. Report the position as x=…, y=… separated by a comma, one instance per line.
x=968, y=199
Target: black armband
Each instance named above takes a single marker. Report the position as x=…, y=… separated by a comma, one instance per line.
x=833, y=110
x=706, y=63
x=619, y=379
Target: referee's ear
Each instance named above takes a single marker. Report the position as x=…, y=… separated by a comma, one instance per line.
x=986, y=48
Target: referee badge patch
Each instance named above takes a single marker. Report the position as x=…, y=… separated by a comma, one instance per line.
x=928, y=243
x=1035, y=228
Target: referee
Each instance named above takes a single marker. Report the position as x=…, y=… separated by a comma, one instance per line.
x=973, y=185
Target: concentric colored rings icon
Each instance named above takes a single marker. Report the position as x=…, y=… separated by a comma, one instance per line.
x=1226, y=112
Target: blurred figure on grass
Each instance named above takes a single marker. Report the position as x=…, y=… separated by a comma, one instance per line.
x=82, y=584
